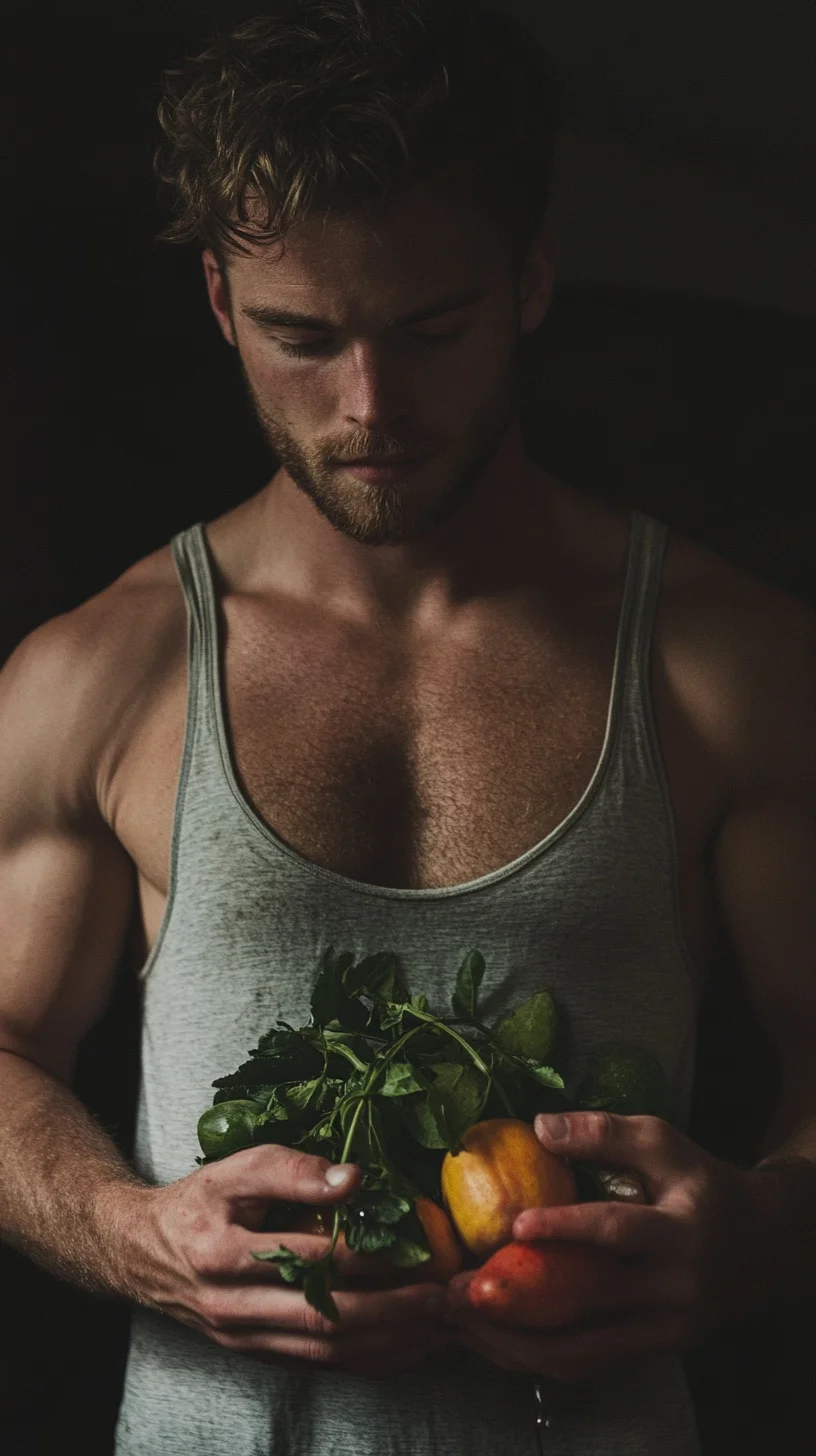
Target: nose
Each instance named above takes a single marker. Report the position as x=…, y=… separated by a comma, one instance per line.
x=374, y=392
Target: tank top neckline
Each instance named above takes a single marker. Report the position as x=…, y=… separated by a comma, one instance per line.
x=211, y=661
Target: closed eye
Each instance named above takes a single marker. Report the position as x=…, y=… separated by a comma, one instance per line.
x=323, y=346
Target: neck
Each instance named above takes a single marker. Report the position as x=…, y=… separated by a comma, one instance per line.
x=506, y=525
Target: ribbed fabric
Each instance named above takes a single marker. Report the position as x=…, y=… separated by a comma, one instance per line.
x=590, y=913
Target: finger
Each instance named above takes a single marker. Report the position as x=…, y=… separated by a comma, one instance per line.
x=458, y=1291
x=367, y=1268
x=574, y=1354
x=629, y=1230
x=280, y=1175
x=647, y=1145
x=284, y=1308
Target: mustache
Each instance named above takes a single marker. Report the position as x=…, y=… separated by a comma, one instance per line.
x=375, y=450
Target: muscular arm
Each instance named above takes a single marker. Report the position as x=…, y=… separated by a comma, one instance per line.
x=66, y=893
x=67, y=1198
x=765, y=865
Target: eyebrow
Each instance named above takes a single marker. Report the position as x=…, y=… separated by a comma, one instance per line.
x=284, y=318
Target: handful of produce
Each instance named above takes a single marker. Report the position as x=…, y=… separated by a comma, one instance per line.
x=434, y=1110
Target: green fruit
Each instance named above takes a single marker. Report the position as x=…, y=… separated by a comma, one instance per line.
x=530, y=1031
x=227, y=1127
x=623, y=1078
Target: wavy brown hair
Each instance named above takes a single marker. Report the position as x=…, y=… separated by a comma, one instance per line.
x=325, y=105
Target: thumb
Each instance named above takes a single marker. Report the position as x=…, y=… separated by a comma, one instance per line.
x=283, y=1175
x=646, y=1145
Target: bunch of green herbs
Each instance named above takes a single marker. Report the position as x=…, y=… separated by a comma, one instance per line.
x=377, y=1079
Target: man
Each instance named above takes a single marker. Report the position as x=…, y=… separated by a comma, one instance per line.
x=415, y=694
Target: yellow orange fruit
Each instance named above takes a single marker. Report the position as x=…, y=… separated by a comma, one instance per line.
x=446, y=1255
x=501, y=1169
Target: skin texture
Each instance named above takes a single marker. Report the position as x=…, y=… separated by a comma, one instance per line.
x=476, y=613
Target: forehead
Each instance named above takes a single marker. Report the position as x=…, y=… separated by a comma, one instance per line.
x=367, y=262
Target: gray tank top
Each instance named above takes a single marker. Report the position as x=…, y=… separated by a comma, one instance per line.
x=591, y=913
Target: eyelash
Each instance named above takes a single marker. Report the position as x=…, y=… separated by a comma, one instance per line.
x=306, y=351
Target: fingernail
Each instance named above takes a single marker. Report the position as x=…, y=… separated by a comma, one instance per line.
x=338, y=1173
x=554, y=1127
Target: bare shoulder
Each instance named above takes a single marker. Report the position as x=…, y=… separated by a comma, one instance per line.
x=73, y=686
x=741, y=654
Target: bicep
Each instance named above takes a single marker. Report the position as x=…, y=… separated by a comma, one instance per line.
x=65, y=905
x=66, y=884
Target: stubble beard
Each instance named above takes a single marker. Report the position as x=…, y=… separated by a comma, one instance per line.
x=388, y=514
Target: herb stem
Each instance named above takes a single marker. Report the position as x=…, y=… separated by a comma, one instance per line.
x=350, y=1056
x=472, y=1053
x=375, y=1070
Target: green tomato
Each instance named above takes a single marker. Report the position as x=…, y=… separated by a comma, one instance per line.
x=625, y=1078
x=227, y=1127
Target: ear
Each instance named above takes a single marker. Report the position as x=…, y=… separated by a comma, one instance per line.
x=537, y=279
x=219, y=295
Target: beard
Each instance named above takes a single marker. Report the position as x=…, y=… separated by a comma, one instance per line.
x=391, y=513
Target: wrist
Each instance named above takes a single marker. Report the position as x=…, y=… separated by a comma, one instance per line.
x=122, y=1212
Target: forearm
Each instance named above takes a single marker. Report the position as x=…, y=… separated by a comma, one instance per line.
x=67, y=1198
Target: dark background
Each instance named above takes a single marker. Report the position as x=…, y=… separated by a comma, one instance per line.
x=675, y=373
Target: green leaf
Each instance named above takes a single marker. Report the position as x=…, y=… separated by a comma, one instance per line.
x=331, y=1001
x=462, y=1092
x=454, y=1097
x=312, y=1275
x=291, y=1266
x=298, y=1061
x=299, y=1097
x=347, y=1048
x=426, y=1121
x=410, y=1248
x=529, y=1093
x=285, y=1043
x=406, y=1253
x=317, y=1291
x=369, y=1238
x=547, y=1076
x=399, y=1081
x=371, y=1219
x=391, y=1015
x=386, y=1207
x=529, y=1031
x=260, y=1095
x=376, y=976
x=465, y=998
x=325, y=1141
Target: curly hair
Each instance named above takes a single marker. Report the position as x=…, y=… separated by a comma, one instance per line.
x=340, y=105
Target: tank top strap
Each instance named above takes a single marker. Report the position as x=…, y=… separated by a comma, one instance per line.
x=639, y=610
x=195, y=576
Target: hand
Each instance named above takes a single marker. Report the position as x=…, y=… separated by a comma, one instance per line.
x=686, y=1258
x=197, y=1244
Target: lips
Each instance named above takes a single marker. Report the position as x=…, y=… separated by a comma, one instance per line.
x=393, y=469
